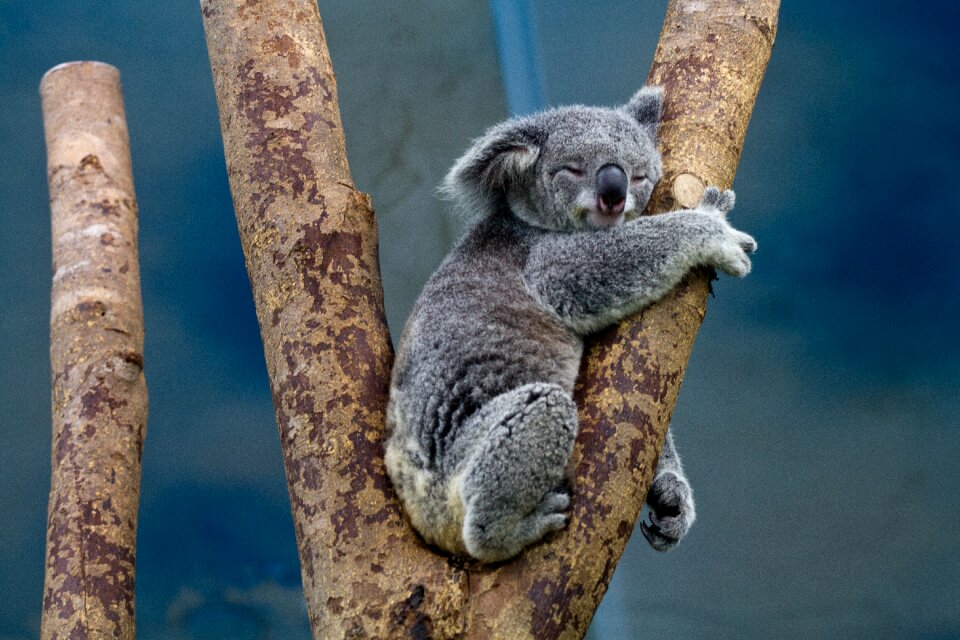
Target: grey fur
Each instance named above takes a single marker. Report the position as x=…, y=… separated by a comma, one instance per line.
x=481, y=418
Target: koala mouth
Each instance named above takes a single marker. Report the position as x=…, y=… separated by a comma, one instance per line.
x=591, y=212
x=592, y=217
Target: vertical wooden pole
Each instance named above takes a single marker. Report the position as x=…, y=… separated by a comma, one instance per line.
x=96, y=353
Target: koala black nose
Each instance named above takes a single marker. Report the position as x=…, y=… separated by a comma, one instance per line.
x=611, y=189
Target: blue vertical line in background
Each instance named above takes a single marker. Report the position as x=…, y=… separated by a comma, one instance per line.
x=519, y=55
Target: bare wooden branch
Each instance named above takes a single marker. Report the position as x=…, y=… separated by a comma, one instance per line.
x=96, y=354
x=310, y=243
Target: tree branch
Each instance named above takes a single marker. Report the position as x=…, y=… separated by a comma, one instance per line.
x=310, y=244
x=96, y=354
x=710, y=60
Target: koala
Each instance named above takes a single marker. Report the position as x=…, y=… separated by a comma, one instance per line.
x=481, y=419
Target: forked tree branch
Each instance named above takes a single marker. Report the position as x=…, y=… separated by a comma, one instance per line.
x=96, y=355
x=311, y=249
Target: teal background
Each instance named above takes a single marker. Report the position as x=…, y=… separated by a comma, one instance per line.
x=820, y=417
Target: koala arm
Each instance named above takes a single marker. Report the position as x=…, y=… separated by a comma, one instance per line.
x=591, y=280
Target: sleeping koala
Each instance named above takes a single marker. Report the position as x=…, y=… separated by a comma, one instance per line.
x=480, y=416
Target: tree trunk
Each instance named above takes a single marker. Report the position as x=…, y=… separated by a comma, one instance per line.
x=96, y=354
x=310, y=244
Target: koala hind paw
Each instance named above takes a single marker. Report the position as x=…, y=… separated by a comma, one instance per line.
x=672, y=511
x=551, y=512
x=554, y=502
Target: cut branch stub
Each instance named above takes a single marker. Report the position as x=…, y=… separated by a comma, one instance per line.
x=96, y=354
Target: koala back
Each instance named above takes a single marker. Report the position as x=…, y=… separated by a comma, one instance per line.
x=477, y=331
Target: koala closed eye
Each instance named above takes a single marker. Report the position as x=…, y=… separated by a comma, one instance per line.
x=568, y=170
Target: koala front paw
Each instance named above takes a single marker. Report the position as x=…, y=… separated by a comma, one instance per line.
x=728, y=253
x=726, y=248
x=716, y=201
x=672, y=511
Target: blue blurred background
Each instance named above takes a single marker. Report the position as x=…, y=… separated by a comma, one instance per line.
x=820, y=418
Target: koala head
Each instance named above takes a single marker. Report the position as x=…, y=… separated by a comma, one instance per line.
x=570, y=168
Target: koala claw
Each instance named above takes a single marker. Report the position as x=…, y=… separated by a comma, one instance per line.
x=714, y=200
x=746, y=242
x=662, y=536
x=652, y=533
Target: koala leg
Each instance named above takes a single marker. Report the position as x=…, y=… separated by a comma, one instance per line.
x=513, y=485
x=670, y=499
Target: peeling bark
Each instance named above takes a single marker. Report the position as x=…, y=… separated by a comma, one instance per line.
x=96, y=354
x=311, y=249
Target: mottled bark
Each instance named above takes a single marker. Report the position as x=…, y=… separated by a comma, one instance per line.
x=96, y=354
x=310, y=243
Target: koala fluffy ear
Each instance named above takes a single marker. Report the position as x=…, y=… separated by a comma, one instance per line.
x=646, y=107
x=499, y=158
